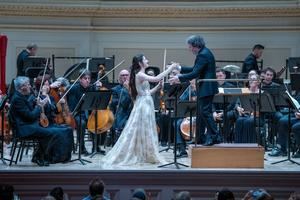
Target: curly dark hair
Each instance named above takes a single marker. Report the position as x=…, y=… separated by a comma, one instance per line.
x=135, y=68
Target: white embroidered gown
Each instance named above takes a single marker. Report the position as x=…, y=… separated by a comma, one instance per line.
x=138, y=143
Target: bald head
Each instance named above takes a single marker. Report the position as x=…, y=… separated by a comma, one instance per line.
x=123, y=76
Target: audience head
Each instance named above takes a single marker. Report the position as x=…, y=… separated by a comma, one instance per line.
x=257, y=50
x=294, y=196
x=139, y=194
x=57, y=193
x=224, y=194
x=22, y=85
x=258, y=194
x=32, y=49
x=48, y=198
x=6, y=192
x=195, y=43
x=183, y=195
x=96, y=188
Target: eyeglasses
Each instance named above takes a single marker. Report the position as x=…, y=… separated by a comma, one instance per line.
x=124, y=75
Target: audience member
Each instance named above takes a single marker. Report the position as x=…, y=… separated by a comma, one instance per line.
x=139, y=194
x=183, y=195
x=58, y=194
x=48, y=198
x=6, y=192
x=258, y=194
x=224, y=194
x=96, y=190
x=294, y=196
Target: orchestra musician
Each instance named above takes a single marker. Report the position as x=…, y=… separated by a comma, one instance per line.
x=244, y=129
x=74, y=96
x=30, y=50
x=250, y=62
x=61, y=149
x=218, y=109
x=188, y=95
x=25, y=112
x=204, y=68
x=121, y=105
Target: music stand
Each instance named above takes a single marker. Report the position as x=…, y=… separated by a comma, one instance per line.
x=295, y=105
x=94, y=100
x=250, y=102
x=226, y=96
x=175, y=90
x=2, y=105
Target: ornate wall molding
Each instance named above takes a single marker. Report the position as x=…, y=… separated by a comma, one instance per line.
x=99, y=11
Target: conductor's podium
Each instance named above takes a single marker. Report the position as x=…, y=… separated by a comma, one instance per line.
x=227, y=155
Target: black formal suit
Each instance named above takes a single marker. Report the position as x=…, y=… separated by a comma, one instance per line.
x=250, y=63
x=204, y=68
x=25, y=115
x=121, y=105
x=73, y=98
x=20, y=62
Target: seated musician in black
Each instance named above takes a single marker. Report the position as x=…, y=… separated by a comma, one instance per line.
x=60, y=150
x=283, y=127
x=73, y=98
x=267, y=75
x=121, y=105
x=218, y=109
x=245, y=131
x=188, y=95
x=25, y=114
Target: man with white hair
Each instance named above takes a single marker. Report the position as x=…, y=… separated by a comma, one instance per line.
x=121, y=104
x=25, y=116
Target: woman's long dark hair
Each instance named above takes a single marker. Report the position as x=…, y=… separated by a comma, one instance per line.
x=135, y=68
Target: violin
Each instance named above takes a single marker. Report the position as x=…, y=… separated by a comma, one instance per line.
x=64, y=115
x=44, y=122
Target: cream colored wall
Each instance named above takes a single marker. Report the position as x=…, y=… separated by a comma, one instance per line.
x=124, y=45
x=124, y=28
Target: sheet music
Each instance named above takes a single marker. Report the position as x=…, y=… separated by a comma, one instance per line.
x=295, y=103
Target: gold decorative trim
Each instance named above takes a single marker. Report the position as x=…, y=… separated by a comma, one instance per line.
x=149, y=29
x=145, y=12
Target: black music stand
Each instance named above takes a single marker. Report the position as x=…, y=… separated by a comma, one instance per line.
x=169, y=106
x=100, y=102
x=94, y=100
x=226, y=97
x=293, y=104
x=175, y=90
x=250, y=102
x=2, y=105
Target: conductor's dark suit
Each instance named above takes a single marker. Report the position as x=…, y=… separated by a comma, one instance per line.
x=204, y=68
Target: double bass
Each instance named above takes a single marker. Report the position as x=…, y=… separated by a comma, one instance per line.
x=105, y=118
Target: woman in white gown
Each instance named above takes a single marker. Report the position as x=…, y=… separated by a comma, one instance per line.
x=138, y=143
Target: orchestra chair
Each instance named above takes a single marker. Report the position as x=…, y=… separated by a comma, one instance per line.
x=18, y=143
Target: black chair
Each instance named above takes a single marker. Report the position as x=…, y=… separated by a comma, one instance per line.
x=19, y=143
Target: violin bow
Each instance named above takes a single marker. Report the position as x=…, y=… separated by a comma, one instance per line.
x=43, y=78
x=87, y=64
x=106, y=74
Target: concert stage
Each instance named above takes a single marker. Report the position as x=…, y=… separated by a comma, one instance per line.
x=33, y=182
